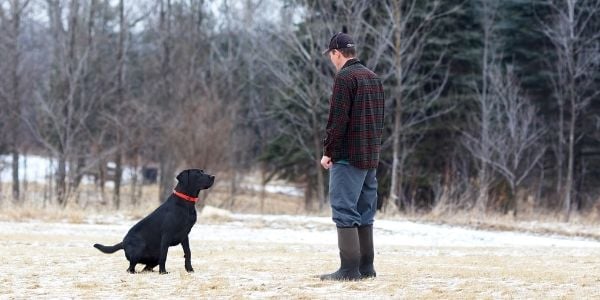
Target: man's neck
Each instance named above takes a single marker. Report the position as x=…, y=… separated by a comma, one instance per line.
x=343, y=62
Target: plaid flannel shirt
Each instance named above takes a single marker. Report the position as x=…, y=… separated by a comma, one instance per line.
x=356, y=112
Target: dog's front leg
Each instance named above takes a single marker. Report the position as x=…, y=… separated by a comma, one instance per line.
x=187, y=254
x=164, y=248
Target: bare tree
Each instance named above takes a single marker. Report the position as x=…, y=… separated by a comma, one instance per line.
x=61, y=111
x=207, y=107
x=303, y=91
x=11, y=81
x=511, y=146
x=506, y=129
x=120, y=98
x=4, y=97
x=303, y=79
x=577, y=51
x=258, y=129
x=120, y=112
x=191, y=93
x=3, y=93
x=517, y=150
x=226, y=59
x=482, y=148
x=167, y=160
x=99, y=144
x=404, y=27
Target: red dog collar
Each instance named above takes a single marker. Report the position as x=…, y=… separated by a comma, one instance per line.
x=185, y=197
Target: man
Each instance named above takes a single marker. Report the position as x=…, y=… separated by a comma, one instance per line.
x=351, y=154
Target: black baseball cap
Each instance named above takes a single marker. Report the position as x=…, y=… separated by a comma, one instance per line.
x=340, y=40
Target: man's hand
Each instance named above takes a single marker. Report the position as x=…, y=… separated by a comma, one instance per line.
x=326, y=162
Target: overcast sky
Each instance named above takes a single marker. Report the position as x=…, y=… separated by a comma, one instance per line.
x=264, y=11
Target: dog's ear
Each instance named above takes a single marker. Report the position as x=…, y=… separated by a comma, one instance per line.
x=184, y=177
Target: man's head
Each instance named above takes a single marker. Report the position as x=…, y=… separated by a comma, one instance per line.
x=341, y=49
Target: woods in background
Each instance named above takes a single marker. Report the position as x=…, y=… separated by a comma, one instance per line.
x=491, y=105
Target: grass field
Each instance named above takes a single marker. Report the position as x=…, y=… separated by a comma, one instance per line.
x=46, y=252
x=56, y=260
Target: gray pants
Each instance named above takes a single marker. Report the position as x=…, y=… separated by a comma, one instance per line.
x=353, y=195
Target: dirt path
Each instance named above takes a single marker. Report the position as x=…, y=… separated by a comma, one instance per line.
x=55, y=260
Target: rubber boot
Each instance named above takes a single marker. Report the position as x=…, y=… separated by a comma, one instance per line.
x=349, y=256
x=367, y=254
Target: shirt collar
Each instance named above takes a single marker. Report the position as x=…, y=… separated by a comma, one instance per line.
x=351, y=62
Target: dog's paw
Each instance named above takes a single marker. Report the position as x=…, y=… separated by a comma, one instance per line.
x=190, y=270
x=163, y=272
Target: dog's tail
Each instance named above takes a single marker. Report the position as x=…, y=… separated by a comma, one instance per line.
x=109, y=249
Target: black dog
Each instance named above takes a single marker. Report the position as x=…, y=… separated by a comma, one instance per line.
x=148, y=241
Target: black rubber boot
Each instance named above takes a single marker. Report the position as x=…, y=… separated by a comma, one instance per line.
x=367, y=254
x=349, y=256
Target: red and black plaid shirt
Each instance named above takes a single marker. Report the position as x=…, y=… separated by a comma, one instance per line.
x=355, y=123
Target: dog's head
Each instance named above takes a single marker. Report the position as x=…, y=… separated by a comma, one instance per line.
x=193, y=180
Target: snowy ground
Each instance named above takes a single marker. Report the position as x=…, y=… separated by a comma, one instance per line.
x=253, y=256
x=280, y=256
x=34, y=168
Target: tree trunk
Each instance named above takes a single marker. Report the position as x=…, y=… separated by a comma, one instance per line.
x=120, y=100
x=571, y=90
x=308, y=195
x=24, y=179
x=117, y=179
x=396, y=184
x=560, y=150
x=61, y=178
x=166, y=160
x=15, y=112
x=102, y=180
x=134, y=179
x=233, y=188
x=396, y=179
x=48, y=188
x=1, y=195
x=15, y=176
x=263, y=186
x=482, y=197
x=318, y=146
x=167, y=171
x=570, y=166
x=78, y=176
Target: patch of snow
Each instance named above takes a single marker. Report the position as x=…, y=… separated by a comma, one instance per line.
x=34, y=168
x=416, y=234
x=31, y=167
x=276, y=189
x=321, y=230
x=295, y=232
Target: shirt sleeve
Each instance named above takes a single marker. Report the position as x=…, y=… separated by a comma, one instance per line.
x=339, y=115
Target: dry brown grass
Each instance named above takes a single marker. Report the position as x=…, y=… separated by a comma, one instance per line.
x=220, y=209
x=49, y=260
x=48, y=214
x=58, y=261
x=89, y=200
x=221, y=206
x=584, y=226
x=246, y=201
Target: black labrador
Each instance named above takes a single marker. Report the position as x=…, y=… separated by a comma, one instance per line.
x=148, y=241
